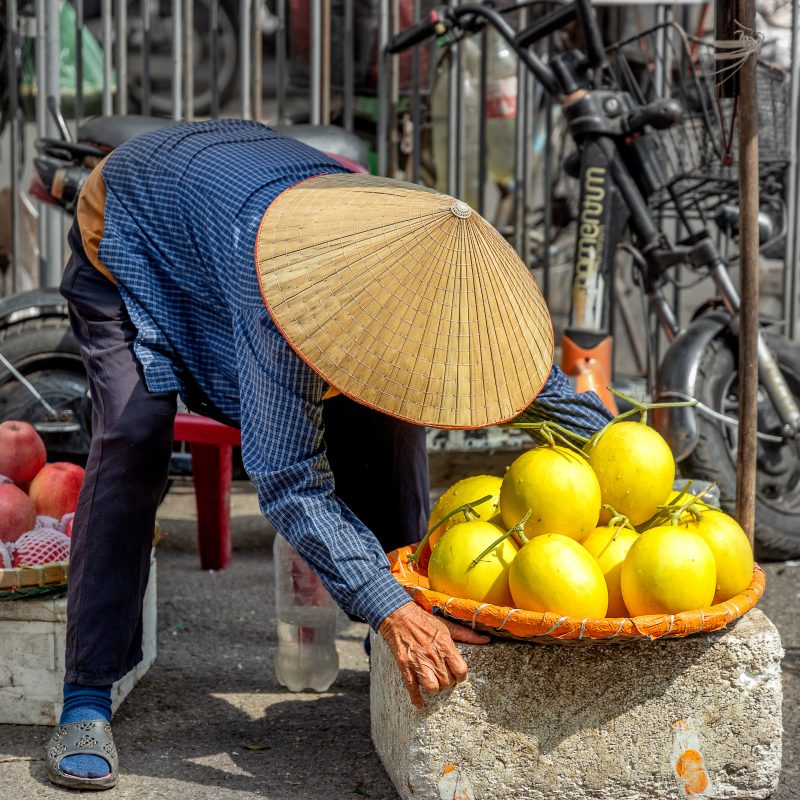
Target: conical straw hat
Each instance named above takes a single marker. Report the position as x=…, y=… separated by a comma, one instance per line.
x=405, y=300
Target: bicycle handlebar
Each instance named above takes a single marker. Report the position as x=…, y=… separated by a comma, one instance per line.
x=444, y=18
x=418, y=32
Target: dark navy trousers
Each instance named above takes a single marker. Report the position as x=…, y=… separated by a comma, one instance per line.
x=379, y=463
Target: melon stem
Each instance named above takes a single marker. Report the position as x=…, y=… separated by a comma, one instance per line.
x=467, y=509
x=640, y=407
x=517, y=531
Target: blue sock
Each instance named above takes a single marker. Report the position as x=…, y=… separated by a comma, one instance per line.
x=82, y=704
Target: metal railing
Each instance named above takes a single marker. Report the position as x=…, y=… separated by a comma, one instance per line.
x=321, y=61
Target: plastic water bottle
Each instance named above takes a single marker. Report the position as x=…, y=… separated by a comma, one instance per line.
x=306, y=616
x=501, y=110
x=440, y=122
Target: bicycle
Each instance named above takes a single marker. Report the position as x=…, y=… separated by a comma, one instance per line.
x=645, y=162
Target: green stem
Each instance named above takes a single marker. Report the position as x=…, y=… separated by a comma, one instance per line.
x=546, y=425
x=468, y=509
x=517, y=530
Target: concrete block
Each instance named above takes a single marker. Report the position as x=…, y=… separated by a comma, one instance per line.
x=32, y=643
x=697, y=717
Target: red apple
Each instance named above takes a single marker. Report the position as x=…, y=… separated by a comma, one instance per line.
x=55, y=488
x=17, y=512
x=22, y=452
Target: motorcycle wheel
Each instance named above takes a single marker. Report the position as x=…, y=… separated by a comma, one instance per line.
x=45, y=352
x=777, y=534
x=161, y=55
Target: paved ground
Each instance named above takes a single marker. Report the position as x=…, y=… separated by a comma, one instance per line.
x=210, y=721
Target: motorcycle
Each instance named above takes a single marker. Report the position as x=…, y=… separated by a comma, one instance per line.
x=42, y=378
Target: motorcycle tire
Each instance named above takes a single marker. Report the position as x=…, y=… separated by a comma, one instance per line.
x=45, y=352
x=777, y=532
x=160, y=76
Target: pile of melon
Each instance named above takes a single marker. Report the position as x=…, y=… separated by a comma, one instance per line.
x=588, y=530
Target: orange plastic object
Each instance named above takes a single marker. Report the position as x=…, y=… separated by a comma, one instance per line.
x=211, y=445
x=515, y=623
x=592, y=367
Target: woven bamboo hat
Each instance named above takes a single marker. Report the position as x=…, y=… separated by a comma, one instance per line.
x=405, y=300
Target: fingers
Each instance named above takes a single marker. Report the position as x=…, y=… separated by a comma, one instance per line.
x=461, y=633
x=424, y=649
x=412, y=687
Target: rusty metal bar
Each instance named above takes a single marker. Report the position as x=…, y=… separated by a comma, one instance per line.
x=791, y=276
x=245, y=42
x=78, y=63
x=122, y=56
x=106, y=41
x=177, y=59
x=280, y=62
x=188, y=58
x=12, y=50
x=748, y=278
x=349, y=65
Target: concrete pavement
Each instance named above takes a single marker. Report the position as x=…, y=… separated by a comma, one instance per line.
x=210, y=721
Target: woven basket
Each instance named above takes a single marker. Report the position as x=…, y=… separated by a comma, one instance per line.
x=547, y=628
x=26, y=581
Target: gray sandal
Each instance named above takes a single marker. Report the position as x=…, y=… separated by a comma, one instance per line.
x=82, y=739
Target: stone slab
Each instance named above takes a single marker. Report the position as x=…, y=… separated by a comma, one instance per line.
x=32, y=642
x=694, y=717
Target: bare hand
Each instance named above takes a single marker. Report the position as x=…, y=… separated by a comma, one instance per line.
x=424, y=649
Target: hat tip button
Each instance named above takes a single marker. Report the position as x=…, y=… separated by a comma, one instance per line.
x=461, y=209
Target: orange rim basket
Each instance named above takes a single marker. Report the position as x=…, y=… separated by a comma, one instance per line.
x=548, y=628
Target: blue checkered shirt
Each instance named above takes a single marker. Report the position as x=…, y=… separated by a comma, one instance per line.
x=183, y=207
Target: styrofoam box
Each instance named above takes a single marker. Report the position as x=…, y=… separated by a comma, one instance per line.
x=32, y=642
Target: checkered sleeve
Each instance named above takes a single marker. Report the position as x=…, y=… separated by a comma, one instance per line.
x=582, y=413
x=283, y=453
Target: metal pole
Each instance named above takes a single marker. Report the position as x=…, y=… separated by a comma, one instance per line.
x=315, y=47
x=245, y=40
x=177, y=59
x=548, y=195
x=41, y=121
x=213, y=34
x=12, y=49
x=325, y=71
x=482, y=144
x=280, y=61
x=791, y=279
x=106, y=20
x=384, y=86
x=454, y=116
x=78, y=63
x=188, y=58
x=258, y=57
x=748, y=277
x=50, y=267
x=146, y=56
x=416, y=105
x=520, y=160
x=349, y=78
x=122, y=56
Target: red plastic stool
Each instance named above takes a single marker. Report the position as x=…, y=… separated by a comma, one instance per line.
x=211, y=444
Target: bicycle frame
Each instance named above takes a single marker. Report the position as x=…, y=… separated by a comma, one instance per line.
x=610, y=129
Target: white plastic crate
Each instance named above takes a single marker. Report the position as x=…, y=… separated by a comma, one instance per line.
x=32, y=643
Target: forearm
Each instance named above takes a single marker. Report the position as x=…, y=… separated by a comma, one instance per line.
x=337, y=546
x=558, y=402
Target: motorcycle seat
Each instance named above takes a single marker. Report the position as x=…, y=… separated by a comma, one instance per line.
x=111, y=131
x=330, y=139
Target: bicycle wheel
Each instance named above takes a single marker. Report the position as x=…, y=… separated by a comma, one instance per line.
x=777, y=531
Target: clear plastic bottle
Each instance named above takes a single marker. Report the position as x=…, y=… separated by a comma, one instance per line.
x=501, y=110
x=306, y=616
x=440, y=122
